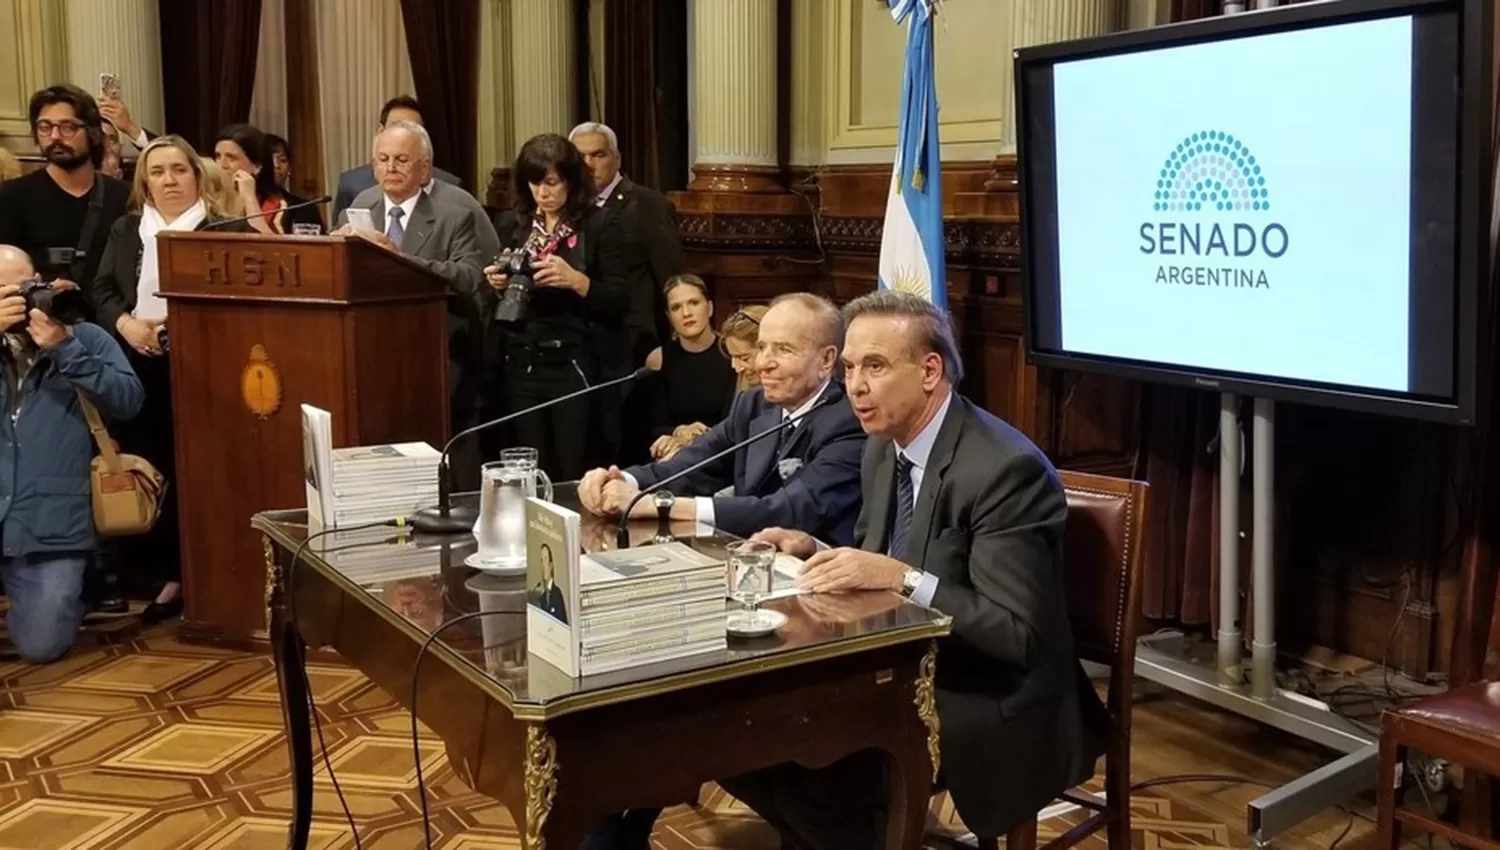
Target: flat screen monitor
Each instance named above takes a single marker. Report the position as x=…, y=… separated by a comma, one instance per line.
x=1289, y=204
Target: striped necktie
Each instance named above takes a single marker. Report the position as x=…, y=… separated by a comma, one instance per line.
x=905, y=507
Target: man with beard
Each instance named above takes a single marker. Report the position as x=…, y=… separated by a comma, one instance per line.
x=60, y=216
x=45, y=212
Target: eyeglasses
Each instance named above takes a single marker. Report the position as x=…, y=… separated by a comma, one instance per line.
x=738, y=315
x=65, y=129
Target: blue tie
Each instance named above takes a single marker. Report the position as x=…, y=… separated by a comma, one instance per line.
x=395, y=231
x=905, y=506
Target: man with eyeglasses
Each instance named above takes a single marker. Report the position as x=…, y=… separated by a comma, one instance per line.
x=60, y=216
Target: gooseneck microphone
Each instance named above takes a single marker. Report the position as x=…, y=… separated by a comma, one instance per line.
x=447, y=519
x=263, y=213
x=622, y=534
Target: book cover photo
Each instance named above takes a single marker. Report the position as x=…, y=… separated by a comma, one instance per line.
x=552, y=556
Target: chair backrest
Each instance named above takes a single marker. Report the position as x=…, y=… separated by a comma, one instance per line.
x=1102, y=562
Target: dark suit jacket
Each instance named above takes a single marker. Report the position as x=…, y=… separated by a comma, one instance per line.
x=450, y=236
x=820, y=496
x=113, y=290
x=551, y=601
x=1020, y=721
x=649, y=219
x=357, y=180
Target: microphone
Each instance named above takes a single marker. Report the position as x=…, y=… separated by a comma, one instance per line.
x=622, y=535
x=262, y=213
x=447, y=519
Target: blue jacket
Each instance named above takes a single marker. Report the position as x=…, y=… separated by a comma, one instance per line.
x=811, y=486
x=45, y=445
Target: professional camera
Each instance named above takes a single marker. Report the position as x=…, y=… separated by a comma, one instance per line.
x=516, y=266
x=64, y=302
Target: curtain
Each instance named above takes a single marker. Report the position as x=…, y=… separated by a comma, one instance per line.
x=208, y=73
x=362, y=62
x=630, y=95
x=442, y=38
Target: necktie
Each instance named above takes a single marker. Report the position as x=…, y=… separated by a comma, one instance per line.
x=395, y=231
x=905, y=505
x=784, y=439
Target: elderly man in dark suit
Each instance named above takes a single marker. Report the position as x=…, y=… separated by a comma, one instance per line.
x=805, y=477
x=362, y=178
x=961, y=513
x=444, y=229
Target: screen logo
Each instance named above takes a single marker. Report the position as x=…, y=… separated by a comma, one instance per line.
x=1213, y=208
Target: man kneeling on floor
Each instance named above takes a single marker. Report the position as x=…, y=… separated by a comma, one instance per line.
x=46, y=514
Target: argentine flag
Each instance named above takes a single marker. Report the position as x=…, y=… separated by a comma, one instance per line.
x=911, y=244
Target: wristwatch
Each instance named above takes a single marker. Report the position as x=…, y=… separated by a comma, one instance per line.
x=663, y=499
x=909, y=581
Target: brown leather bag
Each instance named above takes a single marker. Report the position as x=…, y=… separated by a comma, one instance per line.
x=128, y=490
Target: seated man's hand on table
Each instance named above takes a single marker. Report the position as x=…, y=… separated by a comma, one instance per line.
x=848, y=569
x=798, y=544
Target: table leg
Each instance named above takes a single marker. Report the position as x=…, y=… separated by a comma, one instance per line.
x=556, y=817
x=915, y=769
x=290, y=655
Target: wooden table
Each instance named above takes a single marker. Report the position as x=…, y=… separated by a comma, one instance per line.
x=845, y=674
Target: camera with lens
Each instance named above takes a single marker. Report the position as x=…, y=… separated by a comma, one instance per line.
x=63, y=302
x=516, y=266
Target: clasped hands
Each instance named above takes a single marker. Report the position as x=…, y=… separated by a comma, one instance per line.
x=550, y=270
x=606, y=492
x=841, y=570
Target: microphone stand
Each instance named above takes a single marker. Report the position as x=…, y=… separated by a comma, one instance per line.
x=622, y=534
x=447, y=518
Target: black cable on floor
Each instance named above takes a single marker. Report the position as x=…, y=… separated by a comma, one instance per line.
x=416, y=744
x=312, y=703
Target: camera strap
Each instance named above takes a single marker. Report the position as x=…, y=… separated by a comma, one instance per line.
x=86, y=235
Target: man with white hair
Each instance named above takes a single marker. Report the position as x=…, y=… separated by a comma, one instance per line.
x=443, y=228
x=650, y=219
x=355, y=180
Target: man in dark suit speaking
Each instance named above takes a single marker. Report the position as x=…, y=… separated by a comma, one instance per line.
x=804, y=477
x=963, y=514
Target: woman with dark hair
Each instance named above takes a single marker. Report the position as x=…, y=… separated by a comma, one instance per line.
x=244, y=154
x=541, y=322
x=170, y=194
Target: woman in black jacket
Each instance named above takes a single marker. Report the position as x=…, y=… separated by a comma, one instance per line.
x=541, y=323
x=169, y=194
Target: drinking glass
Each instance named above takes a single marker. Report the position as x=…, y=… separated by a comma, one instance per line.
x=306, y=229
x=751, y=574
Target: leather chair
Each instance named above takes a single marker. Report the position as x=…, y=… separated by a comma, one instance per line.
x=1461, y=726
x=1103, y=558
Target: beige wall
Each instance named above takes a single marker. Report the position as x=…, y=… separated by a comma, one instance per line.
x=847, y=66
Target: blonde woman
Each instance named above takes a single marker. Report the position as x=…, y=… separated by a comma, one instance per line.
x=217, y=191
x=738, y=338
x=169, y=195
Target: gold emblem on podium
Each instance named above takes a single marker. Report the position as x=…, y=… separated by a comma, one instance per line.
x=260, y=384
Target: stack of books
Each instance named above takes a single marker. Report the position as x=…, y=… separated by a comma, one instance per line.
x=363, y=484
x=597, y=613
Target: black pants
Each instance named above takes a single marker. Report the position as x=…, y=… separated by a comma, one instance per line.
x=840, y=807
x=149, y=435
x=560, y=434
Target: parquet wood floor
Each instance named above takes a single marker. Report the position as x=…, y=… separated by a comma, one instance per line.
x=145, y=743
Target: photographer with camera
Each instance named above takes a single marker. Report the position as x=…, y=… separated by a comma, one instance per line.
x=46, y=514
x=563, y=276
x=170, y=194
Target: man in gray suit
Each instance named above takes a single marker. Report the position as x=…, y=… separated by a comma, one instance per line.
x=444, y=229
x=356, y=180
x=962, y=513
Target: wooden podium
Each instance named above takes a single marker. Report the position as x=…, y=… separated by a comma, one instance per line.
x=259, y=325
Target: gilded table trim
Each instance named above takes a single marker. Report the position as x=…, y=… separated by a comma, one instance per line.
x=926, y=700
x=540, y=783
